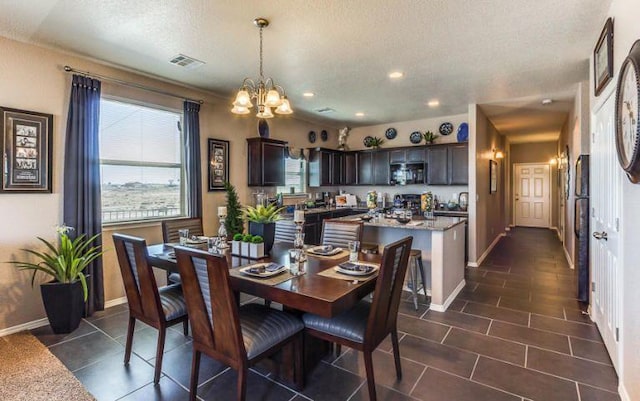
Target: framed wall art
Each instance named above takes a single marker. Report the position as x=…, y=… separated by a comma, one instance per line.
x=493, y=176
x=26, y=140
x=603, y=58
x=218, y=164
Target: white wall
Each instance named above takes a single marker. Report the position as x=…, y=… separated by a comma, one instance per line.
x=626, y=32
x=31, y=78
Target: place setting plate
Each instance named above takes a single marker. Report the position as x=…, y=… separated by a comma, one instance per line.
x=263, y=270
x=356, y=268
x=324, y=250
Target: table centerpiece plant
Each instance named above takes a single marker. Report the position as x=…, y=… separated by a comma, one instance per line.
x=65, y=294
x=262, y=222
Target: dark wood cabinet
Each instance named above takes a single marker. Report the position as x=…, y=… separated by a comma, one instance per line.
x=325, y=167
x=365, y=168
x=336, y=168
x=397, y=156
x=416, y=155
x=350, y=168
x=448, y=164
x=265, y=162
x=381, y=173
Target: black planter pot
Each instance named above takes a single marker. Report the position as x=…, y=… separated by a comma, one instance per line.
x=64, y=304
x=266, y=231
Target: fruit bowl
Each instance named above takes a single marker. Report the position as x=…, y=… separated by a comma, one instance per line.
x=366, y=218
x=403, y=220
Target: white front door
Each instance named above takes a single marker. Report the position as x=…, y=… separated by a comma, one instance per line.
x=605, y=187
x=532, y=195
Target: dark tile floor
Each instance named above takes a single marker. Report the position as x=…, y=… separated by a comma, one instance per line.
x=515, y=332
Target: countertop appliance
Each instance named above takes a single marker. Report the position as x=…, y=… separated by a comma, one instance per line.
x=346, y=200
x=407, y=202
x=581, y=226
x=406, y=173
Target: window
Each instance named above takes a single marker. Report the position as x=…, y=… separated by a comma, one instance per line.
x=141, y=162
x=294, y=176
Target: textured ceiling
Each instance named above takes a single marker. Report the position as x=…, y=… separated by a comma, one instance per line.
x=456, y=51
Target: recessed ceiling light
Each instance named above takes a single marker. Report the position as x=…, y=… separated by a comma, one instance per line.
x=359, y=114
x=396, y=74
x=547, y=101
x=308, y=94
x=433, y=103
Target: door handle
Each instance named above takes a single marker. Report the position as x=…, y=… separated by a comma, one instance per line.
x=599, y=236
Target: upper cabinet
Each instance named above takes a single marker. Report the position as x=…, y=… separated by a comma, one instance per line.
x=350, y=168
x=265, y=162
x=448, y=164
x=381, y=170
x=325, y=167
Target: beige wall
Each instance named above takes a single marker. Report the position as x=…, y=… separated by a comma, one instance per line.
x=31, y=78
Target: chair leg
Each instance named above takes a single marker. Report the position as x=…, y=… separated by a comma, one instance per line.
x=414, y=283
x=242, y=383
x=185, y=327
x=396, y=353
x=162, y=333
x=195, y=372
x=371, y=383
x=338, y=349
x=424, y=282
x=127, y=347
x=298, y=350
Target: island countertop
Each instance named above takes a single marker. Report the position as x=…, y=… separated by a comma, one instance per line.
x=440, y=223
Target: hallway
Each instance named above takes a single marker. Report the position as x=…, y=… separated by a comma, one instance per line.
x=515, y=333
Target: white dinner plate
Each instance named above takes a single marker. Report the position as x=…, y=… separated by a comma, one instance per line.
x=318, y=250
x=247, y=270
x=374, y=268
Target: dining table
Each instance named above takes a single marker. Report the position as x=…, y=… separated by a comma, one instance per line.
x=314, y=291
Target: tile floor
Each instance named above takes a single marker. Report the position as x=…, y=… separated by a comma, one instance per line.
x=515, y=333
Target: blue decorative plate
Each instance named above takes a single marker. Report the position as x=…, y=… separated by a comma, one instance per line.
x=324, y=135
x=446, y=128
x=390, y=133
x=312, y=136
x=416, y=137
x=463, y=132
x=368, y=141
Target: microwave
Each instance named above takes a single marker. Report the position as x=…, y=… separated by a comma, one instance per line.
x=407, y=173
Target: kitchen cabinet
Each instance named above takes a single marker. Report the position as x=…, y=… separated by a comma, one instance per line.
x=350, y=168
x=397, y=156
x=365, y=168
x=407, y=155
x=381, y=173
x=325, y=167
x=448, y=164
x=265, y=162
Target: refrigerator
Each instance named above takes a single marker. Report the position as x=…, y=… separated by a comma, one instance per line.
x=581, y=227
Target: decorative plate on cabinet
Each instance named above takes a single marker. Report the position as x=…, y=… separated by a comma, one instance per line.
x=463, y=132
x=415, y=137
x=368, y=141
x=324, y=135
x=627, y=111
x=312, y=136
x=390, y=133
x=446, y=128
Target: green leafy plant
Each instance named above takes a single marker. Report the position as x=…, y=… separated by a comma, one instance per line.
x=376, y=142
x=263, y=214
x=247, y=238
x=66, y=262
x=237, y=237
x=429, y=137
x=257, y=239
x=233, y=223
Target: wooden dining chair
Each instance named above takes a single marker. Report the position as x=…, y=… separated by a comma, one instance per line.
x=170, y=235
x=237, y=336
x=158, y=307
x=285, y=231
x=367, y=324
x=339, y=233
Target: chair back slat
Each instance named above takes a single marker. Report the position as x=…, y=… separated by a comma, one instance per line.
x=213, y=311
x=285, y=231
x=386, y=296
x=170, y=228
x=339, y=233
x=137, y=275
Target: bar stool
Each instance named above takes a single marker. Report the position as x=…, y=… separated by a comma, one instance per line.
x=416, y=266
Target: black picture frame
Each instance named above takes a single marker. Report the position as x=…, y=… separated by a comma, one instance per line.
x=493, y=176
x=26, y=140
x=218, y=164
x=603, y=58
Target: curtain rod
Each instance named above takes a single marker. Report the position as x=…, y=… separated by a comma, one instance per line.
x=131, y=84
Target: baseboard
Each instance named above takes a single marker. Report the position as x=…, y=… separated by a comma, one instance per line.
x=115, y=302
x=34, y=324
x=488, y=250
x=622, y=391
x=557, y=230
x=508, y=228
x=566, y=255
x=472, y=264
x=449, y=300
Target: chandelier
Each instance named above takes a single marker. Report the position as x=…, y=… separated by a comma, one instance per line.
x=266, y=94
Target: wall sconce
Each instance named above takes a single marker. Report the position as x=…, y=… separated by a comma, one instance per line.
x=553, y=161
x=497, y=154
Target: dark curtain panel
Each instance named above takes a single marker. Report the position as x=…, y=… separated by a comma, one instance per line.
x=192, y=158
x=82, y=209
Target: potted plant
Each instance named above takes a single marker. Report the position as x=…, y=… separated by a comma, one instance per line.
x=429, y=137
x=64, y=296
x=235, y=244
x=256, y=247
x=376, y=142
x=244, y=245
x=262, y=222
x=233, y=222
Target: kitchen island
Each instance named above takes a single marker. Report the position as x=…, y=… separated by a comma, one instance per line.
x=442, y=242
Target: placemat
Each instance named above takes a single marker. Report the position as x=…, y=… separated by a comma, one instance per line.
x=332, y=273
x=340, y=255
x=273, y=280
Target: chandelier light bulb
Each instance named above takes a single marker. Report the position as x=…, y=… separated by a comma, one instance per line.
x=265, y=112
x=284, y=108
x=273, y=99
x=243, y=99
x=240, y=110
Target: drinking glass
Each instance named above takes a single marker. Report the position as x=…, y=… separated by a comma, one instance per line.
x=212, y=244
x=183, y=233
x=294, y=261
x=354, y=248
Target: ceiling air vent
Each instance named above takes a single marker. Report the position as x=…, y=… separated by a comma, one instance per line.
x=185, y=61
x=325, y=110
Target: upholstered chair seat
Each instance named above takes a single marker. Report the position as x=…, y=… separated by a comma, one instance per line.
x=172, y=300
x=263, y=327
x=349, y=325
